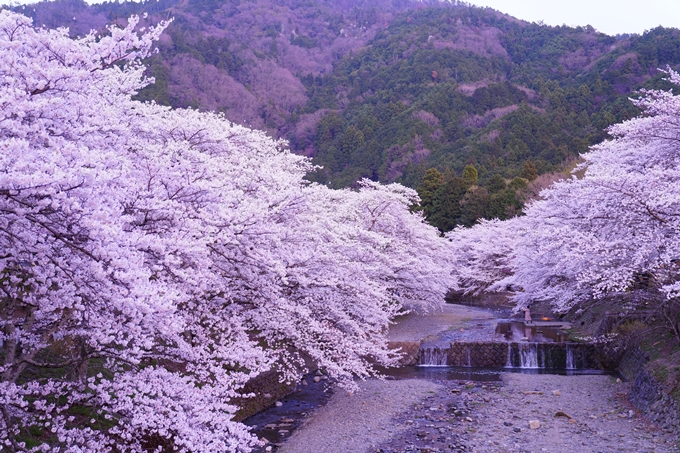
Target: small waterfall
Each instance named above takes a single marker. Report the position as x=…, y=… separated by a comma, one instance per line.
x=542, y=345
x=570, y=358
x=528, y=353
x=578, y=356
x=434, y=357
x=523, y=355
x=550, y=355
x=545, y=356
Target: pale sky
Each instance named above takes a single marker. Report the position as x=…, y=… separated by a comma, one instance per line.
x=608, y=16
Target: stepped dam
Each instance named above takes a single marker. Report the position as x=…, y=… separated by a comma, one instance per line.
x=515, y=345
x=523, y=355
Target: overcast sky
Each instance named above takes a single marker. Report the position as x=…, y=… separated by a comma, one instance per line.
x=608, y=16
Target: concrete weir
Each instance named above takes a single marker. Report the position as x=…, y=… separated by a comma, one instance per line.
x=522, y=355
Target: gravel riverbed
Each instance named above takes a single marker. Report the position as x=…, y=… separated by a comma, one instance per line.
x=361, y=421
x=522, y=413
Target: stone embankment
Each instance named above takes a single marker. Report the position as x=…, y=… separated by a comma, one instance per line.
x=265, y=390
x=647, y=394
x=648, y=397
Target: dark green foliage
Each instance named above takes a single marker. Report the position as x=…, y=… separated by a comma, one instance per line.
x=518, y=184
x=448, y=201
x=474, y=205
x=321, y=92
x=470, y=174
x=432, y=181
x=529, y=171
x=446, y=206
x=402, y=74
x=495, y=184
x=207, y=49
x=575, y=97
x=503, y=205
x=157, y=91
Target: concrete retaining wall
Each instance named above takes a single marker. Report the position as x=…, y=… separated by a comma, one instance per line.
x=478, y=354
x=410, y=350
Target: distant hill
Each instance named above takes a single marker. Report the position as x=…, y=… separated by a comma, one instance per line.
x=387, y=89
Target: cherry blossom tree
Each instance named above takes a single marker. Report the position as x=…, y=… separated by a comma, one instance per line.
x=609, y=229
x=154, y=260
x=482, y=256
x=617, y=225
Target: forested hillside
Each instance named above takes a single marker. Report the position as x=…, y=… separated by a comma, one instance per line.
x=389, y=89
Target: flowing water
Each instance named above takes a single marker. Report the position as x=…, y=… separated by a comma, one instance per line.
x=280, y=420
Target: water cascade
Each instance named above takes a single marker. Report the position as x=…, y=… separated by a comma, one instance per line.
x=537, y=356
x=570, y=358
x=578, y=356
x=433, y=356
x=528, y=354
x=538, y=346
x=516, y=355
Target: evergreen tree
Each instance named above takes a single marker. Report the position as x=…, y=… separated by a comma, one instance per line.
x=432, y=180
x=474, y=205
x=470, y=174
x=496, y=184
x=529, y=171
x=446, y=209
